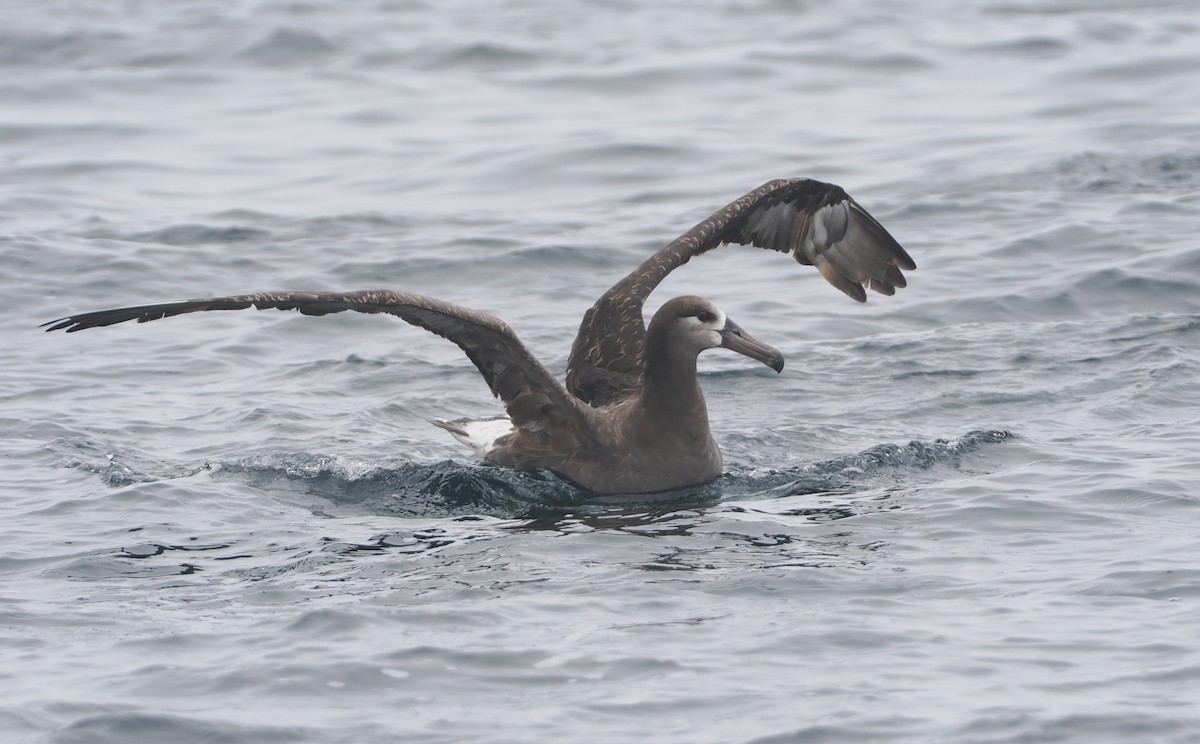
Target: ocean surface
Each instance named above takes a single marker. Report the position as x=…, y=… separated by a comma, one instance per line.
x=966, y=513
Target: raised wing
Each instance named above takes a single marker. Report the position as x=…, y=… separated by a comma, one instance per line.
x=534, y=400
x=818, y=223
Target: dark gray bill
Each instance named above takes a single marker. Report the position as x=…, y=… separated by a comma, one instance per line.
x=735, y=339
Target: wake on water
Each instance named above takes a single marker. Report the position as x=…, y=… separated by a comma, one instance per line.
x=452, y=488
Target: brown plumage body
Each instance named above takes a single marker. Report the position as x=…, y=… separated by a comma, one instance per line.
x=653, y=440
x=631, y=417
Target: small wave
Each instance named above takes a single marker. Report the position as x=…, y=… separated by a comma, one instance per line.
x=185, y=234
x=114, y=724
x=1129, y=288
x=1032, y=47
x=115, y=469
x=920, y=455
x=48, y=133
x=286, y=47
x=193, y=234
x=1097, y=172
x=46, y=49
x=484, y=56
x=884, y=464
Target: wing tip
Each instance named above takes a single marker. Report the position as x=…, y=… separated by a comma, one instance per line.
x=896, y=251
x=854, y=290
x=882, y=288
x=59, y=324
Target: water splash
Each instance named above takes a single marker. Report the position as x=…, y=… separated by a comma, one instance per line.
x=451, y=489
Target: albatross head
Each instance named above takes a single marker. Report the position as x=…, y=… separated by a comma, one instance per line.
x=698, y=324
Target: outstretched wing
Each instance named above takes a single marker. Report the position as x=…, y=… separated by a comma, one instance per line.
x=818, y=223
x=534, y=400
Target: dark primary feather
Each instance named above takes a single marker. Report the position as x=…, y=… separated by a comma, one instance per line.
x=533, y=398
x=818, y=223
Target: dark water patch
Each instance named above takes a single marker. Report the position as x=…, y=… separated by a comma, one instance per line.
x=304, y=565
x=102, y=567
x=1075, y=236
x=243, y=215
x=829, y=506
x=47, y=133
x=471, y=57
x=40, y=48
x=290, y=47
x=886, y=728
x=963, y=374
x=1170, y=584
x=57, y=173
x=183, y=235
x=648, y=79
x=637, y=161
x=482, y=56
x=14, y=619
x=430, y=538
x=630, y=152
x=127, y=726
x=1026, y=47
x=317, y=623
x=354, y=222
x=1118, y=173
x=1156, y=208
x=23, y=724
x=1149, y=70
x=148, y=550
x=1092, y=172
x=544, y=258
x=1025, y=726
x=1154, y=325
x=1136, y=289
x=1033, y=304
x=193, y=234
x=851, y=60
x=737, y=537
x=411, y=543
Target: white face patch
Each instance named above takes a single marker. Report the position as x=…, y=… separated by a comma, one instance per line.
x=709, y=330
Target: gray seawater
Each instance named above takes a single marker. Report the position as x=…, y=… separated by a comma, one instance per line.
x=967, y=513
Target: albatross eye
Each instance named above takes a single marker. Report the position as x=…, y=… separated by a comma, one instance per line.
x=705, y=316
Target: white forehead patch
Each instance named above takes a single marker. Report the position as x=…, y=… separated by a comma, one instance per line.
x=716, y=324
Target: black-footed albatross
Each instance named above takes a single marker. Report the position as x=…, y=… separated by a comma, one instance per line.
x=631, y=417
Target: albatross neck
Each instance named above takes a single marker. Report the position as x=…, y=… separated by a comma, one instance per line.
x=671, y=388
